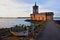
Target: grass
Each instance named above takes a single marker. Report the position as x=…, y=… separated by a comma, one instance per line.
x=58, y=23
x=3, y=30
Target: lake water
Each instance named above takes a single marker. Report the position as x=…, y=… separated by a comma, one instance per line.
x=7, y=23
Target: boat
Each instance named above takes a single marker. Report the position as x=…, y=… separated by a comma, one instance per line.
x=23, y=33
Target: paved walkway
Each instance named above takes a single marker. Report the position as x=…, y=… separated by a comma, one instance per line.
x=50, y=32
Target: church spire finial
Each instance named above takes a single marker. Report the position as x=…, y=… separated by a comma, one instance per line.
x=35, y=8
x=35, y=3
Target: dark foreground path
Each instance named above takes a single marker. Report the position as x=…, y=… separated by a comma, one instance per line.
x=50, y=32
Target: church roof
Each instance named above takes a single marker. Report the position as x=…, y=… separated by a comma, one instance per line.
x=47, y=13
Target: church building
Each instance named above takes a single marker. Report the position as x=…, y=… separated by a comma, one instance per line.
x=40, y=16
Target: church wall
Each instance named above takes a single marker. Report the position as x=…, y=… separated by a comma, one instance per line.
x=49, y=18
x=38, y=17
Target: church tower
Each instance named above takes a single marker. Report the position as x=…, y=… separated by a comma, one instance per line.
x=35, y=9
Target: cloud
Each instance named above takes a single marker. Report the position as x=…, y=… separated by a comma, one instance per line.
x=50, y=6
x=11, y=8
x=15, y=8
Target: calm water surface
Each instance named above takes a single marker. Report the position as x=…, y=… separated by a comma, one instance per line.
x=6, y=23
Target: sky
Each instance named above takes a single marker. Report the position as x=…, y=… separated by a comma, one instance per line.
x=23, y=8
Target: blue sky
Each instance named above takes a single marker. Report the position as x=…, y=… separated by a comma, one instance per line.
x=23, y=8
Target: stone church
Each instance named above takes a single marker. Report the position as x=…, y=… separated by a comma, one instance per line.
x=40, y=16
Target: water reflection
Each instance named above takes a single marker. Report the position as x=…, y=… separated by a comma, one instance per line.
x=7, y=23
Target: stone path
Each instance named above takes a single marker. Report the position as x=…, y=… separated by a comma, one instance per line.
x=50, y=32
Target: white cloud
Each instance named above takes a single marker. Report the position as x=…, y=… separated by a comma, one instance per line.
x=12, y=8
x=48, y=7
